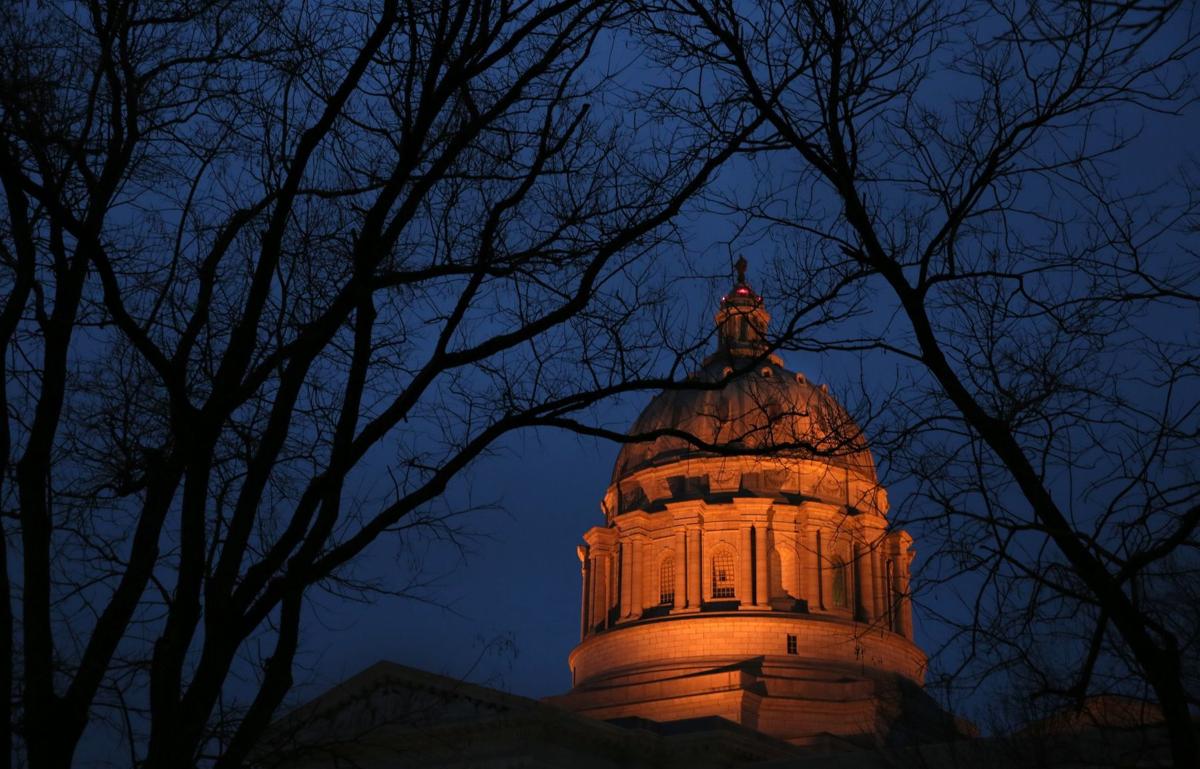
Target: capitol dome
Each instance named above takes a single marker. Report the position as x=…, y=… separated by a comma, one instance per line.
x=745, y=568
x=765, y=410
x=742, y=403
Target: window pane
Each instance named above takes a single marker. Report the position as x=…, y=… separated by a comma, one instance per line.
x=723, y=583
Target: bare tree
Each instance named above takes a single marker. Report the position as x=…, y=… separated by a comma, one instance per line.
x=954, y=165
x=255, y=258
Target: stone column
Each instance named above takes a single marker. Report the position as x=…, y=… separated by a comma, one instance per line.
x=905, y=600
x=863, y=581
x=798, y=560
x=890, y=599
x=680, y=569
x=881, y=580
x=805, y=558
x=827, y=552
x=877, y=580
x=745, y=593
x=853, y=580
x=626, y=598
x=819, y=571
x=585, y=573
x=639, y=578
x=695, y=569
x=601, y=577
x=610, y=584
x=872, y=566
x=594, y=595
x=873, y=578
x=762, y=595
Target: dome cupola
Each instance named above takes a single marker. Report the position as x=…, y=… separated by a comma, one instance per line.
x=742, y=320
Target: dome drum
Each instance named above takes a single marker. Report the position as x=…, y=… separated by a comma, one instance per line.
x=651, y=650
x=750, y=554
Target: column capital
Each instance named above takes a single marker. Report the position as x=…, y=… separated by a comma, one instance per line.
x=753, y=509
x=685, y=518
x=873, y=522
x=600, y=537
x=628, y=524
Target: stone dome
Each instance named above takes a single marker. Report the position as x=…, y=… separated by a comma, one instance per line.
x=743, y=402
x=764, y=410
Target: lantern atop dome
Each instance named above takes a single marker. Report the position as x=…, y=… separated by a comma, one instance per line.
x=742, y=320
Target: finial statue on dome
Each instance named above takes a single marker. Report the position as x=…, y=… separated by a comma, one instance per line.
x=741, y=294
x=742, y=319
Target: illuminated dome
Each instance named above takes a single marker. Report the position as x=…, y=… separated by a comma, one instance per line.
x=745, y=567
x=742, y=403
x=766, y=410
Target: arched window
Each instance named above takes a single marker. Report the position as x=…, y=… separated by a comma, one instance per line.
x=666, y=580
x=838, y=582
x=723, y=585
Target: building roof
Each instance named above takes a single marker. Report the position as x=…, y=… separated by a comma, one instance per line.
x=767, y=410
x=391, y=715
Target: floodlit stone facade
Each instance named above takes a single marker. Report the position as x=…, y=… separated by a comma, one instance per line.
x=745, y=568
